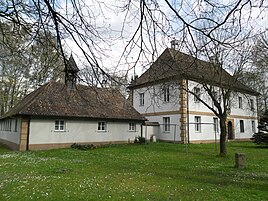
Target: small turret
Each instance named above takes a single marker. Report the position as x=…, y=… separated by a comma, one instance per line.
x=71, y=71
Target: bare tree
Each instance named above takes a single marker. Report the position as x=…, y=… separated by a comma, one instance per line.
x=154, y=22
x=25, y=63
x=256, y=75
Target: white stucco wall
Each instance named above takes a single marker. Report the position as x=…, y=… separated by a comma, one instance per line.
x=198, y=106
x=248, y=131
x=246, y=109
x=12, y=135
x=154, y=104
x=79, y=131
x=174, y=132
x=154, y=99
x=207, y=129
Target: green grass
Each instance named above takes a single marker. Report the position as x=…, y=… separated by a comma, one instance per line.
x=159, y=171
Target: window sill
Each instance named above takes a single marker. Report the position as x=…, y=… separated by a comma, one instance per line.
x=102, y=131
x=166, y=102
x=60, y=131
x=132, y=131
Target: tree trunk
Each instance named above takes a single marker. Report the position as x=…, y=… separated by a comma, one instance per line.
x=223, y=149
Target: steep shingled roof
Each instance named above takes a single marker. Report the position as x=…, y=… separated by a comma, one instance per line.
x=55, y=99
x=173, y=65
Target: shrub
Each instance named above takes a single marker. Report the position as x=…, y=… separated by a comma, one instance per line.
x=139, y=139
x=260, y=138
x=83, y=146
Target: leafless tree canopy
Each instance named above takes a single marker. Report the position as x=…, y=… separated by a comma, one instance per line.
x=145, y=25
x=206, y=29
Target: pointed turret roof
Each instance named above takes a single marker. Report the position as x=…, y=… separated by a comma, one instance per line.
x=71, y=65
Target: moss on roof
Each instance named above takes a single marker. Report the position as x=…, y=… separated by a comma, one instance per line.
x=175, y=65
x=56, y=99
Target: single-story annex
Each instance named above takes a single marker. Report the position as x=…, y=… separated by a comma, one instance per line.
x=58, y=114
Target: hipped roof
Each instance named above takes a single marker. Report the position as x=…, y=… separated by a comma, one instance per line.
x=175, y=65
x=56, y=99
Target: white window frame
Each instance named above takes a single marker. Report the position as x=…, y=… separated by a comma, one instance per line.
x=197, y=121
x=253, y=126
x=240, y=102
x=141, y=99
x=59, y=125
x=102, y=126
x=216, y=124
x=166, y=94
x=251, y=102
x=242, y=126
x=197, y=92
x=15, y=125
x=166, y=124
x=132, y=127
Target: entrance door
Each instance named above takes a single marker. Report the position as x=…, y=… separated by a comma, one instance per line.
x=230, y=130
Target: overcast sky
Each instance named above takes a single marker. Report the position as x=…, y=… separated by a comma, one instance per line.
x=110, y=20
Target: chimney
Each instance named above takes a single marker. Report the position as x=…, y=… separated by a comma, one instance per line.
x=71, y=71
x=175, y=44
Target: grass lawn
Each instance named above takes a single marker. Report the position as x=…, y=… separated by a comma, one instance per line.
x=159, y=171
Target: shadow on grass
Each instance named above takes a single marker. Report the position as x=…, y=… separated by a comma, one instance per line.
x=4, y=149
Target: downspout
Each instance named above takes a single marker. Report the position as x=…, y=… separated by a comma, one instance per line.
x=141, y=130
x=28, y=134
x=188, y=118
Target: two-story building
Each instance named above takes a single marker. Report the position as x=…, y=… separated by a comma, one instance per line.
x=167, y=95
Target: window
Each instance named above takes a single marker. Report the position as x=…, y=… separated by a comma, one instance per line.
x=132, y=127
x=141, y=99
x=197, y=92
x=229, y=105
x=197, y=120
x=166, y=94
x=166, y=122
x=253, y=127
x=59, y=125
x=216, y=124
x=240, y=105
x=242, y=129
x=102, y=126
x=251, y=105
x=16, y=125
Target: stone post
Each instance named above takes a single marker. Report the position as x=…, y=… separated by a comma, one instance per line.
x=240, y=160
x=24, y=134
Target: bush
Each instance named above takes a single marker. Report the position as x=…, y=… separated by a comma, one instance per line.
x=83, y=146
x=139, y=139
